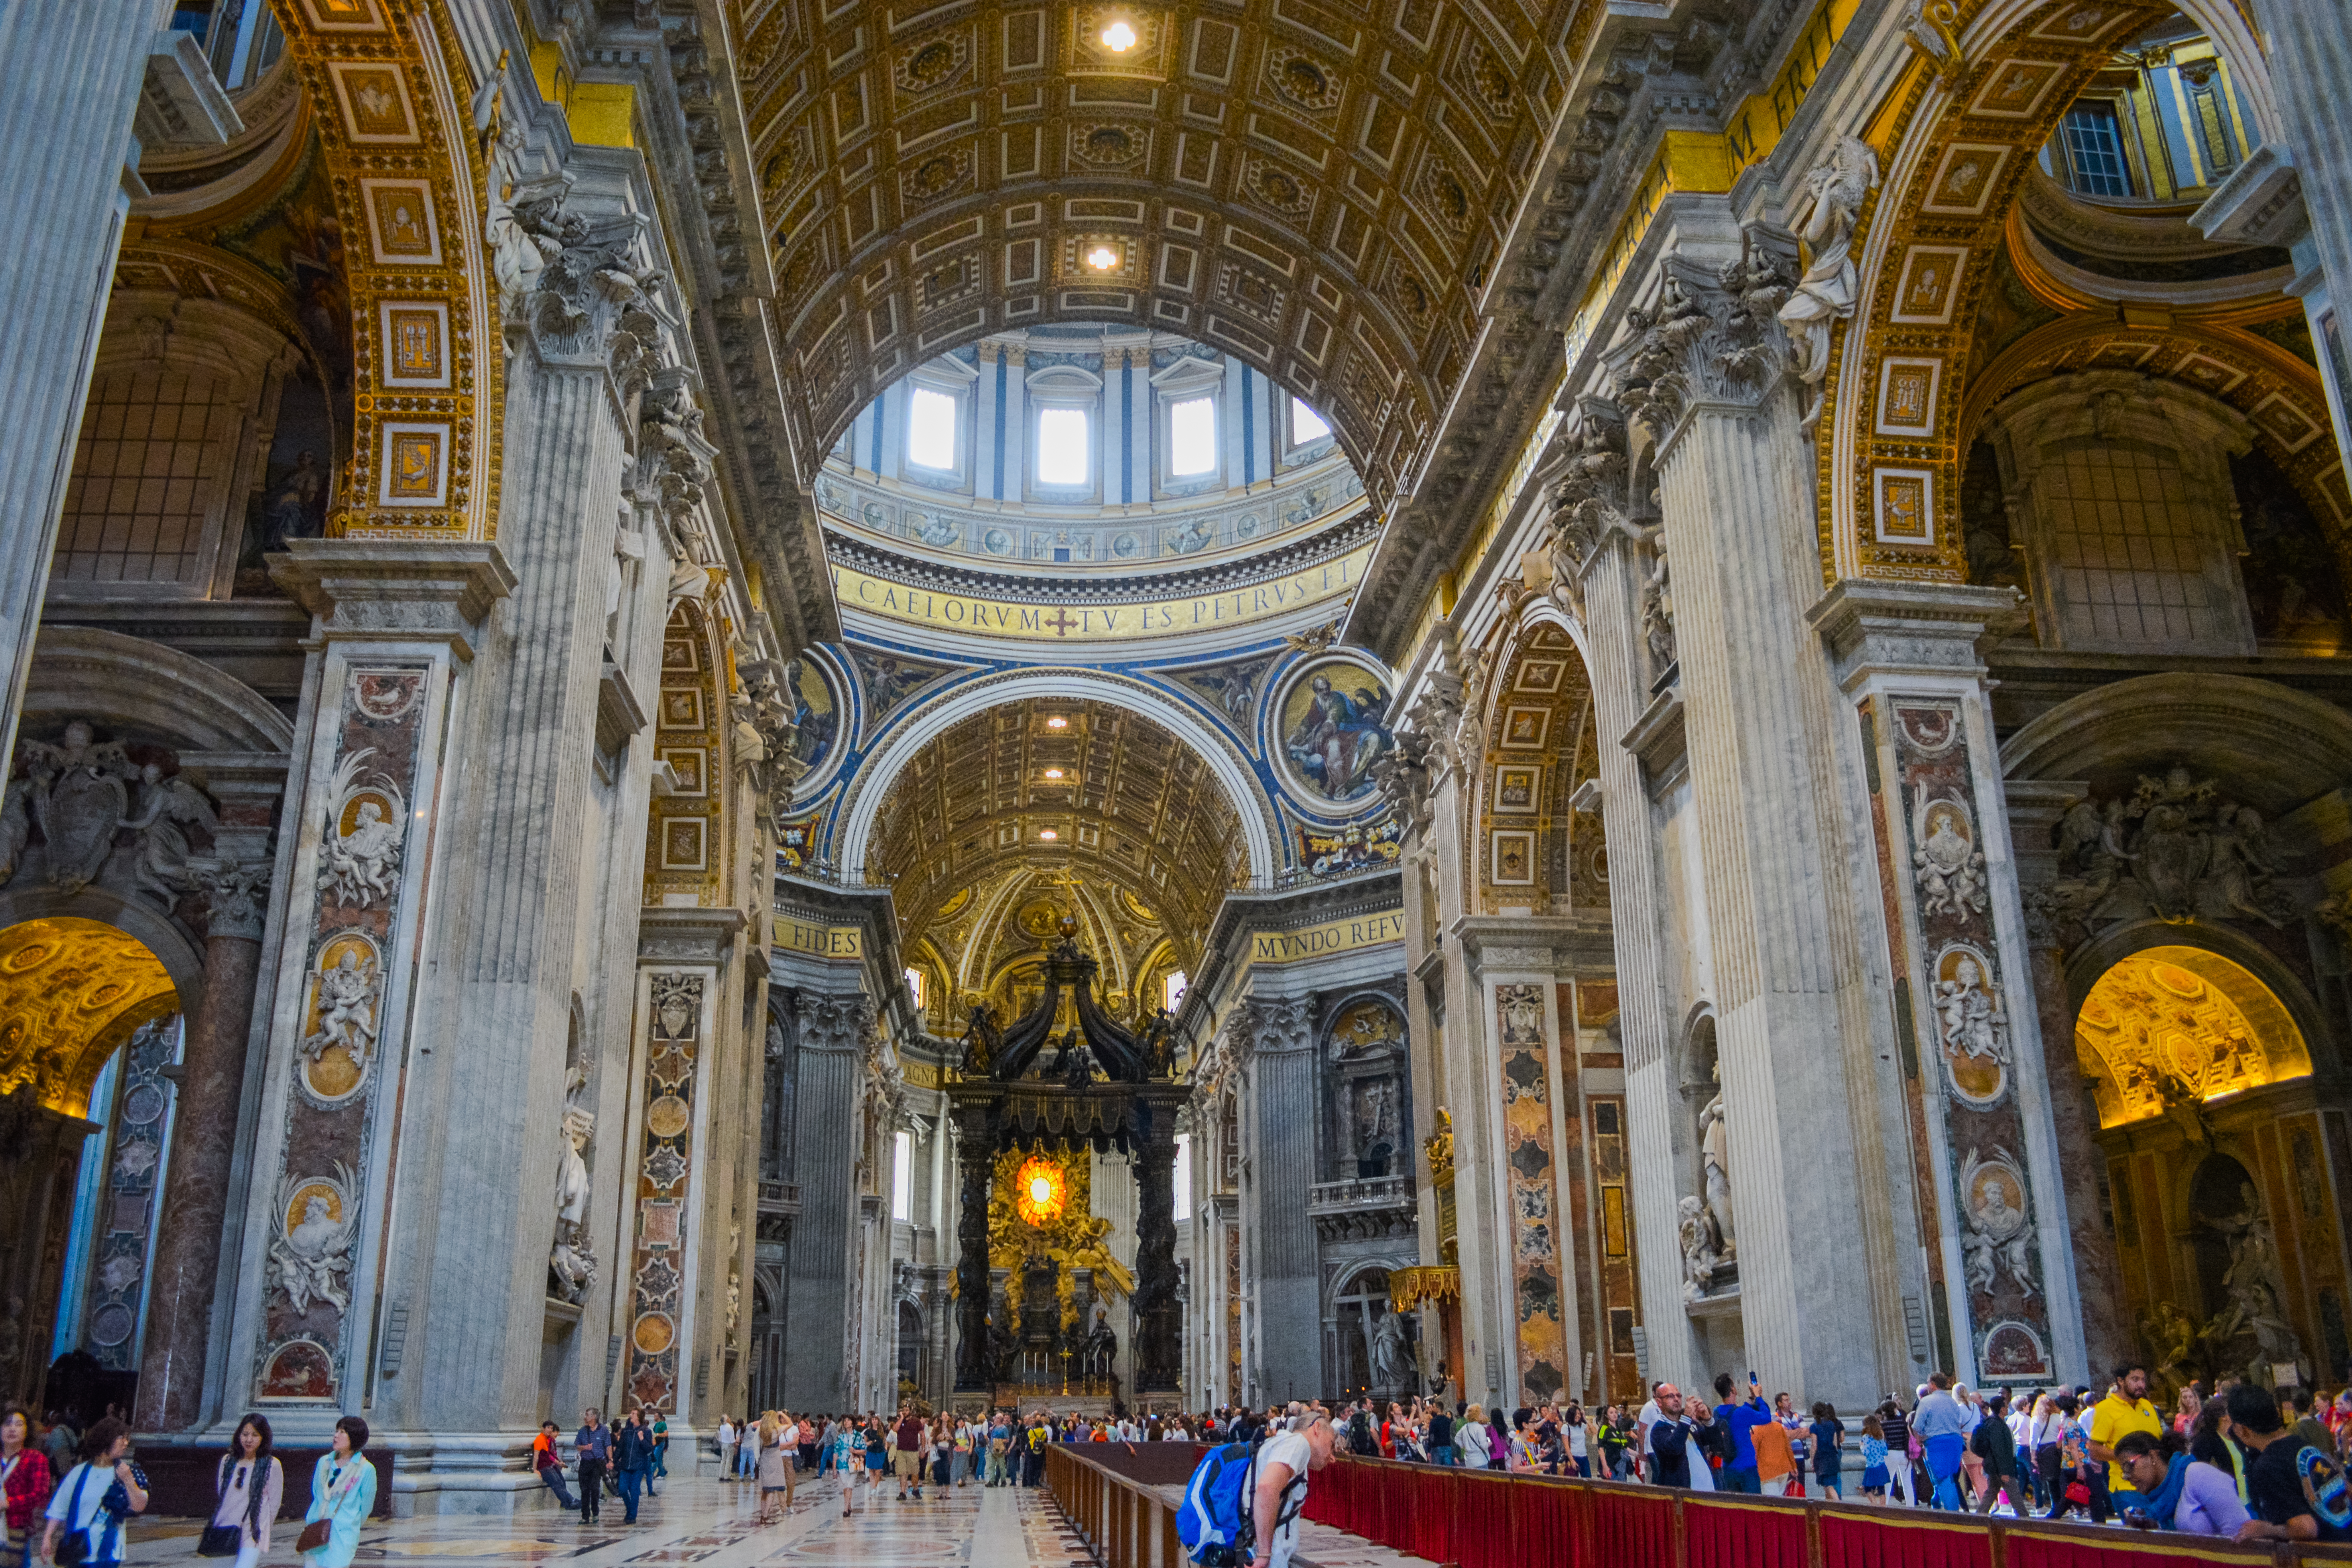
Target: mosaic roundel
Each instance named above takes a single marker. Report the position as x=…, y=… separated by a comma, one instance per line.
x=816, y=710
x=1329, y=728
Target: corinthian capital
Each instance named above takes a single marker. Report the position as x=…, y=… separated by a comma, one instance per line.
x=573, y=288
x=1713, y=336
x=236, y=894
x=1589, y=502
x=1280, y=1024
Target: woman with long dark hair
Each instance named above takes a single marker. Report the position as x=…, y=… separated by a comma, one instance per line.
x=248, y=1488
x=26, y=1480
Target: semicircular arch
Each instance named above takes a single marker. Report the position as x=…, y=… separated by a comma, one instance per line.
x=925, y=722
x=2278, y=747
x=84, y=672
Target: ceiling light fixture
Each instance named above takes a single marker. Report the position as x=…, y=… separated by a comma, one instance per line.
x=1102, y=258
x=1047, y=833
x=1053, y=773
x=1118, y=38
x=1057, y=723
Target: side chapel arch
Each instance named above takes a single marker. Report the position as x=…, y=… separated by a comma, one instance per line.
x=1955, y=148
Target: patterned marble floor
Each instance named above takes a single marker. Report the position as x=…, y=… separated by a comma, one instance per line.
x=716, y=1525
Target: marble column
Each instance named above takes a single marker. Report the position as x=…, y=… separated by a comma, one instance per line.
x=1285, y=1288
x=512, y=945
x=825, y=1111
x=1991, y=1202
x=1703, y=377
x=203, y=1149
x=2310, y=59
x=80, y=65
x=1599, y=568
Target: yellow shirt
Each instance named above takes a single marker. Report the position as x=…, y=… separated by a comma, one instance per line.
x=2114, y=1418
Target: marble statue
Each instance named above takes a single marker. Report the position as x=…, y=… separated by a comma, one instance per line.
x=361, y=864
x=1391, y=1352
x=573, y=1261
x=1702, y=1248
x=309, y=1258
x=1824, y=219
x=1658, y=600
x=1715, y=1167
x=167, y=807
x=1965, y=1018
x=346, y=1008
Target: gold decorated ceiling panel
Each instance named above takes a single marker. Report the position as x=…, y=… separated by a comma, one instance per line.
x=2170, y=1029
x=1318, y=188
x=1105, y=798
x=72, y=990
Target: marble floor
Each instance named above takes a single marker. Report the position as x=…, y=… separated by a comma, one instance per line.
x=716, y=1524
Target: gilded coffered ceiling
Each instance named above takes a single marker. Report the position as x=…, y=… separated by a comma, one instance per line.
x=72, y=990
x=2172, y=1028
x=1319, y=189
x=1144, y=842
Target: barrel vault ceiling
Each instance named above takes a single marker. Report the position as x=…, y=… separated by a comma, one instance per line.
x=1136, y=817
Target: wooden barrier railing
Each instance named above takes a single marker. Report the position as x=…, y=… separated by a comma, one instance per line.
x=1485, y=1519
x=1126, y=1522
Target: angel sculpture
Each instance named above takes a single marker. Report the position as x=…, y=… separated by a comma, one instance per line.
x=346, y=1009
x=309, y=1257
x=167, y=806
x=361, y=864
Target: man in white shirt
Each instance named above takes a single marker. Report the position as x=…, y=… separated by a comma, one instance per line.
x=1283, y=1461
x=726, y=1449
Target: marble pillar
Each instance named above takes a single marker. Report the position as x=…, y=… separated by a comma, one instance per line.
x=82, y=65
x=394, y=626
x=1600, y=568
x=1991, y=1202
x=1284, y=1304
x=826, y=1109
x=1703, y=377
x=2310, y=61
x=188, y=1241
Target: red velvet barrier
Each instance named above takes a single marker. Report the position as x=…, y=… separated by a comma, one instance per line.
x=1482, y=1518
x=1904, y=1540
x=1718, y=1533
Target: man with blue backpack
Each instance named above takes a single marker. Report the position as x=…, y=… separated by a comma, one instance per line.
x=1242, y=1505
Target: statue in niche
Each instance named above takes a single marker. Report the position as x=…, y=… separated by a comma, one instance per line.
x=1391, y=1352
x=1702, y=1247
x=1372, y=1122
x=1715, y=1167
x=572, y=1262
x=346, y=1008
x=2255, y=1287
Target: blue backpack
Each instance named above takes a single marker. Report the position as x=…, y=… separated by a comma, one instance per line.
x=1214, y=1523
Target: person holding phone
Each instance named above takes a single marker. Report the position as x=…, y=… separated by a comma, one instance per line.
x=1739, y=1420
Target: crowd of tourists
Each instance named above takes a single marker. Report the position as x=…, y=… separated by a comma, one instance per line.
x=2240, y=1462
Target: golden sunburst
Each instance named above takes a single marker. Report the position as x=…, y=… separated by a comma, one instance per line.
x=1040, y=1190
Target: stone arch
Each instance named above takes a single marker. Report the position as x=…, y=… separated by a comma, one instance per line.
x=1891, y=503
x=1537, y=724
x=2296, y=1009
x=89, y=672
x=2278, y=746
x=921, y=723
x=388, y=87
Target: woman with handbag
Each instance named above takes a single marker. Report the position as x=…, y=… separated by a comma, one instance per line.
x=25, y=1479
x=245, y=1491
x=342, y=1495
x=87, y=1512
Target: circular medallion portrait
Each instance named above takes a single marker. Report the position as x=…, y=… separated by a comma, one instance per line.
x=816, y=711
x=1331, y=727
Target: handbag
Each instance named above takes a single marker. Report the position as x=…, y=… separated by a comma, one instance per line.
x=73, y=1546
x=316, y=1534
x=220, y=1539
